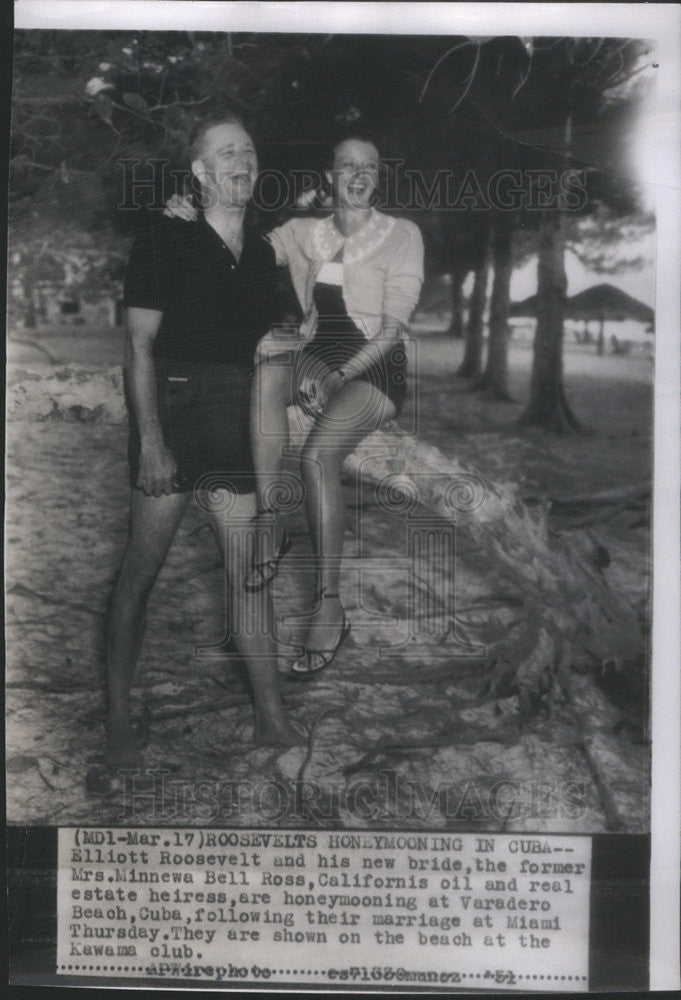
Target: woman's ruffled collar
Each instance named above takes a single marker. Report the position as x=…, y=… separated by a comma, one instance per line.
x=327, y=240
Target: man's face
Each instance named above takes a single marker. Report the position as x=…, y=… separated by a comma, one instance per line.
x=228, y=165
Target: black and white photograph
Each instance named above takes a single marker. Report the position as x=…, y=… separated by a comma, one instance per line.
x=332, y=454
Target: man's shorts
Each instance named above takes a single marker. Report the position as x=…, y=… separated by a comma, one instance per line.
x=204, y=411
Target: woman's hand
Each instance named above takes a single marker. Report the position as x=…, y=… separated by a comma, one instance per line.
x=306, y=199
x=314, y=393
x=178, y=207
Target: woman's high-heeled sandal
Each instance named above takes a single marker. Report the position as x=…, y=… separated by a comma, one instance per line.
x=302, y=668
x=261, y=574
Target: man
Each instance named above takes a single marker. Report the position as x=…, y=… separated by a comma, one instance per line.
x=198, y=300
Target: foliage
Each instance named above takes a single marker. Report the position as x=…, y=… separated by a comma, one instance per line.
x=597, y=240
x=86, y=102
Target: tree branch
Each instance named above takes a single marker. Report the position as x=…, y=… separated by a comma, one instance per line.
x=175, y=104
x=523, y=81
x=52, y=101
x=23, y=161
x=628, y=76
x=470, y=78
x=461, y=45
x=597, y=49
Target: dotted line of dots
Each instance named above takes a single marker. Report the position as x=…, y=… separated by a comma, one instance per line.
x=301, y=972
x=102, y=968
x=562, y=979
x=310, y=972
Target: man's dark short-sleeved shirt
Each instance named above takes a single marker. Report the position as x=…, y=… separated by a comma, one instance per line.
x=215, y=308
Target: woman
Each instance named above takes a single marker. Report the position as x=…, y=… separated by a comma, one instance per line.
x=357, y=274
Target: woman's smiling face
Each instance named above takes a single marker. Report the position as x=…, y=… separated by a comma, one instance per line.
x=354, y=177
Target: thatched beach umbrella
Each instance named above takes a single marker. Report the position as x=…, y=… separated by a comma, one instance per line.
x=600, y=302
x=526, y=308
x=603, y=302
x=607, y=302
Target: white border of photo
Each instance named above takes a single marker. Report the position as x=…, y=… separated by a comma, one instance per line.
x=659, y=170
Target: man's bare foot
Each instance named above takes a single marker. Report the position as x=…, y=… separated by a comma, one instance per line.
x=122, y=746
x=277, y=733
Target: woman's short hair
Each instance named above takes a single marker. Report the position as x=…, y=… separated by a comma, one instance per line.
x=350, y=133
x=198, y=133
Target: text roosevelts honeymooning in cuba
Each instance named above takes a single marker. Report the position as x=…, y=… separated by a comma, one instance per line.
x=324, y=907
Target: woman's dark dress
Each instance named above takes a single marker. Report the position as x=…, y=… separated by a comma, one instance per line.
x=338, y=339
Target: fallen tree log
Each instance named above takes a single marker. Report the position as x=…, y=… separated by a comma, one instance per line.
x=573, y=616
x=634, y=495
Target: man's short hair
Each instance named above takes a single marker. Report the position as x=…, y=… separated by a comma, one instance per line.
x=198, y=133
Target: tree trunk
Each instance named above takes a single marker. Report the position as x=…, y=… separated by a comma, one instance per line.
x=548, y=406
x=495, y=378
x=456, y=326
x=29, y=315
x=471, y=366
x=601, y=338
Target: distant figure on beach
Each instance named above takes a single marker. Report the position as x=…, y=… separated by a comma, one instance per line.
x=198, y=298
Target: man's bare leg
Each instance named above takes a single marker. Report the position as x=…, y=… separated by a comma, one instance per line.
x=252, y=624
x=153, y=524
